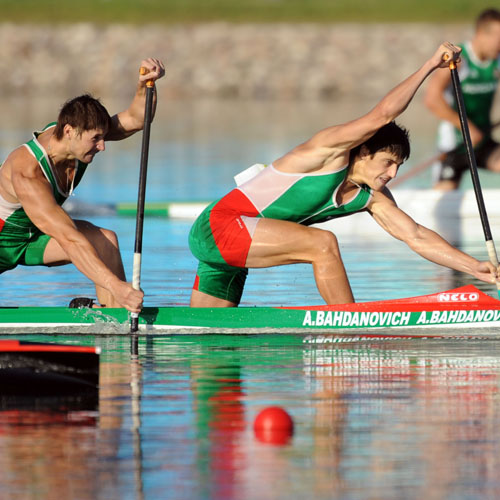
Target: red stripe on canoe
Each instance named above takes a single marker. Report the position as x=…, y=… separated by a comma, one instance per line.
x=466, y=297
x=18, y=346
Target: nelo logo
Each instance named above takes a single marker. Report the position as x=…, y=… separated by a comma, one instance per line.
x=458, y=297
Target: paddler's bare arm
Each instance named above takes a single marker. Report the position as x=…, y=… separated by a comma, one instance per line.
x=330, y=147
x=426, y=242
x=131, y=120
x=35, y=194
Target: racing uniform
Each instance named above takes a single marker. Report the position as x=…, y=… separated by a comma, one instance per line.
x=221, y=236
x=21, y=242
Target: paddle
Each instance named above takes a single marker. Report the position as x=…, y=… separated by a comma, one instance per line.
x=141, y=197
x=471, y=159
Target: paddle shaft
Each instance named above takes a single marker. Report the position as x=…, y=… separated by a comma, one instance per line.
x=471, y=159
x=141, y=197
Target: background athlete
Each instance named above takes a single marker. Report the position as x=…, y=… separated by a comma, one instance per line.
x=37, y=177
x=479, y=72
x=341, y=170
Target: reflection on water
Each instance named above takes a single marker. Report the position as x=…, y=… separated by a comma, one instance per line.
x=421, y=417
x=383, y=419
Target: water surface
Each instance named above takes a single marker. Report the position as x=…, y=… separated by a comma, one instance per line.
x=400, y=419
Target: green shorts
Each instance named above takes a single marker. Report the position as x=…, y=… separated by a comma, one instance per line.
x=221, y=281
x=21, y=249
x=216, y=274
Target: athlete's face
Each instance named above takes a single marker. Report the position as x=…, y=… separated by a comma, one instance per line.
x=380, y=169
x=85, y=145
x=489, y=41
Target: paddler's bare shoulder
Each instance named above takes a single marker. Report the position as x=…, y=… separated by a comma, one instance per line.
x=307, y=159
x=20, y=164
x=20, y=161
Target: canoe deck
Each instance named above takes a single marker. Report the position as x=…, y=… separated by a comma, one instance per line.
x=461, y=311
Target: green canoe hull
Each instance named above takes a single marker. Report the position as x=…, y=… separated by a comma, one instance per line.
x=461, y=312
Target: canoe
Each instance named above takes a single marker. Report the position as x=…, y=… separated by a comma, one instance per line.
x=464, y=311
x=42, y=383
x=47, y=369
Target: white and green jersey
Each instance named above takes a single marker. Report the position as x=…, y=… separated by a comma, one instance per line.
x=223, y=232
x=479, y=80
x=13, y=218
x=304, y=198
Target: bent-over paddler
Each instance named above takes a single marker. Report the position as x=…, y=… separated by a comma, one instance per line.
x=343, y=169
x=38, y=177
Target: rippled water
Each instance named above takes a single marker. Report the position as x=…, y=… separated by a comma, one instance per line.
x=373, y=419
x=400, y=419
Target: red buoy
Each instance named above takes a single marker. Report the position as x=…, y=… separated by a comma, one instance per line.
x=273, y=425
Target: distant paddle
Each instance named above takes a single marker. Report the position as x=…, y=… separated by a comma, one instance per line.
x=471, y=159
x=417, y=169
x=141, y=197
x=424, y=165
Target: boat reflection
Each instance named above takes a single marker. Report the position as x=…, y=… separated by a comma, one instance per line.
x=400, y=410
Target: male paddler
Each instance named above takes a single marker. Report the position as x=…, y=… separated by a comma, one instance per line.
x=37, y=177
x=342, y=169
x=479, y=74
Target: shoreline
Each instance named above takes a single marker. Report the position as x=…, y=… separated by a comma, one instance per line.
x=218, y=60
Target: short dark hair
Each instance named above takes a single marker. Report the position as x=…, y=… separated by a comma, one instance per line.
x=487, y=16
x=391, y=137
x=83, y=113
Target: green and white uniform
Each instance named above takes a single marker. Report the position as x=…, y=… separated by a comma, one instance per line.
x=479, y=80
x=21, y=242
x=221, y=236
